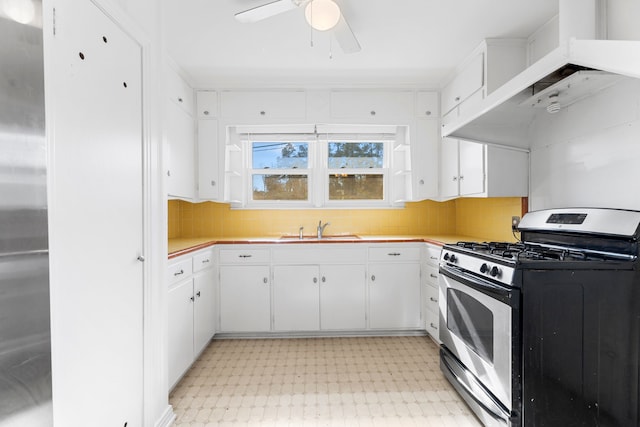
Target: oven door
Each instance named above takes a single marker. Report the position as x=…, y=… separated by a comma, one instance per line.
x=476, y=327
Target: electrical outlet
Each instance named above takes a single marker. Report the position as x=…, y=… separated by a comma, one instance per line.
x=515, y=221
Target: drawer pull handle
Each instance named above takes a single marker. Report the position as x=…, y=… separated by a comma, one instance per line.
x=433, y=326
x=435, y=276
x=244, y=256
x=433, y=257
x=394, y=254
x=433, y=299
x=178, y=273
x=205, y=261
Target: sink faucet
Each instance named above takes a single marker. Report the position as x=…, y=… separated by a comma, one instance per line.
x=321, y=228
x=301, y=233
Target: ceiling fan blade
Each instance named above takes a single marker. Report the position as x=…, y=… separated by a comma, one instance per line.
x=268, y=10
x=345, y=37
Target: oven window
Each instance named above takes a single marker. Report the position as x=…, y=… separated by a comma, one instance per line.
x=470, y=321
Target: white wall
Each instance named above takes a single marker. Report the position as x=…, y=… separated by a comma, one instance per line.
x=588, y=154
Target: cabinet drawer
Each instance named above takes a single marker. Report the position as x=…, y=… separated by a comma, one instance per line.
x=320, y=254
x=243, y=256
x=179, y=270
x=207, y=104
x=431, y=274
x=202, y=260
x=372, y=104
x=432, y=323
x=394, y=253
x=432, y=254
x=264, y=104
x=431, y=298
x=427, y=105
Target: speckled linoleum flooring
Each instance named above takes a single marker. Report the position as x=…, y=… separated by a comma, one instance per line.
x=345, y=382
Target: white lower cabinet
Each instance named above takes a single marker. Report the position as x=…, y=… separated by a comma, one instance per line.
x=394, y=296
x=319, y=297
x=245, y=298
x=191, y=309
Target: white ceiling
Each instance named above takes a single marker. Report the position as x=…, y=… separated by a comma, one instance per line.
x=405, y=43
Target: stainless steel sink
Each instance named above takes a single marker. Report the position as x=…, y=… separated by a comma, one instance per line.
x=325, y=237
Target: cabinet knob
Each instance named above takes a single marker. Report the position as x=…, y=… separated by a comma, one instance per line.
x=373, y=278
x=315, y=280
x=192, y=299
x=455, y=178
x=265, y=280
x=168, y=173
x=205, y=112
x=324, y=279
x=140, y=258
x=263, y=113
x=427, y=113
x=421, y=182
x=198, y=294
x=179, y=99
x=461, y=177
x=457, y=98
x=213, y=183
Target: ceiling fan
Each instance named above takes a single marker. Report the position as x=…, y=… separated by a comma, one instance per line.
x=322, y=15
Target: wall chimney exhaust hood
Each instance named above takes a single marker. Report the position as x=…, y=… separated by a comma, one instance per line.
x=574, y=71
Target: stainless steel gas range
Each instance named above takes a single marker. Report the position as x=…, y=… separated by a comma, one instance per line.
x=546, y=331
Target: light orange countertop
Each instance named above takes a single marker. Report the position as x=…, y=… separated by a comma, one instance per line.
x=182, y=246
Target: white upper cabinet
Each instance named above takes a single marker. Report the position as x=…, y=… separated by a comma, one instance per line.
x=179, y=135
x=263, y=106
x=425, y=146
x=471, y=169
x=207, y=104
x=378, y=106
x=493, y=63
x=427, y=105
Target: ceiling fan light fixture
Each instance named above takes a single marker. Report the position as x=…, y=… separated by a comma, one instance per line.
x=322, y=15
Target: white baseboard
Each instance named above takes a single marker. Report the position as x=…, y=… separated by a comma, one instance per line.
x=167, y=418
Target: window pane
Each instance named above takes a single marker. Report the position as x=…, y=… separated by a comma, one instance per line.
x=279, y=155
x=280, y=187
x=356, y=187
x=355, y=155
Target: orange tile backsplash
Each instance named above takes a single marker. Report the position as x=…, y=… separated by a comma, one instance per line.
x=484, y=217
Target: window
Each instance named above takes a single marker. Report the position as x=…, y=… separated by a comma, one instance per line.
x=343, y=167
x=279, y=171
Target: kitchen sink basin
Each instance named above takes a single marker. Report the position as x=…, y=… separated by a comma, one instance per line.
x=329, y=237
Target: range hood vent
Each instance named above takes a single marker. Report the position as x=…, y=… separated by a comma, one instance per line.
x=567, y=85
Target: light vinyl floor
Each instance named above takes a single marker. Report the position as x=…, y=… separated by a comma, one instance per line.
x=333, y=382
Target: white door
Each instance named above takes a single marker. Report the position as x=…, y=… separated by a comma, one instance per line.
x=208, y=167
x=296, y=298
x=449, y=168
x=245, y=298
x=394, y=296
x=471, y=168
x=94, y=114
x=343, y=297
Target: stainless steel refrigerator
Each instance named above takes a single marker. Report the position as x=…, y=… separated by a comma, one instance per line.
x=25, y=338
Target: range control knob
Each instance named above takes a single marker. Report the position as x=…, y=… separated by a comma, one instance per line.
x=453, y=258
x=495, y=272
x=484, y=268
x=446, y=256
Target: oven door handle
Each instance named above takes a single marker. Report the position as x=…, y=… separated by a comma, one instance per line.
x=504, y=294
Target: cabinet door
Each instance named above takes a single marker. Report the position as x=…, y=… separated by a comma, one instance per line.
x=467, y=82
x=204, y=314
x=208, y=160
x=471, y=168
x=424, y=159
x=394, y=296
x=263, y=105
x=378, y=105
x=179, y=133
x=449, y=168
x=342, y=297
x=245, y=298
x=180, y=340
x=296, y=297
